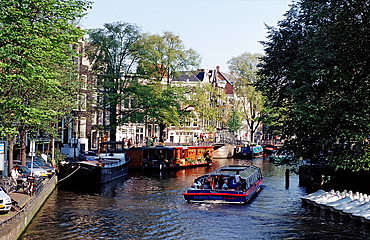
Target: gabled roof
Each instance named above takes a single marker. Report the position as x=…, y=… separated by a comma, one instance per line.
x=187, y=76
x=229, y=77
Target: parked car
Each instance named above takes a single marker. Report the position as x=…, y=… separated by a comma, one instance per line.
x=5, y=201
x=39, y=160
x=37, y=171
x=49, y=169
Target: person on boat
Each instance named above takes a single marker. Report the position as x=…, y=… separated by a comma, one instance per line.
x=225, y=186
x=237, y=176
x=244, y=184
x=207, y=185
x=207, y=157
x=221, y=181
x=215, y=183
x=207, y=182
x=238, y=185
x=196, y=184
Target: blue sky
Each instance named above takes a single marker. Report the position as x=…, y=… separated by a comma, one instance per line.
x=217, y=29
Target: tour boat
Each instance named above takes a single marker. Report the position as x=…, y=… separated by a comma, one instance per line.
x=112, y=163
x=249, y=152
x=205, y=188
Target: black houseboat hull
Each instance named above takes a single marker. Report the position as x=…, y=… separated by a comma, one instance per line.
x=86, y=172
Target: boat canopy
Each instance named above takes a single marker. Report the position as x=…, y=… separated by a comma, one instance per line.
x=230, y=170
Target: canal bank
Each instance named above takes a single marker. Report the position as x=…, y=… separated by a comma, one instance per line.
x=15, y=222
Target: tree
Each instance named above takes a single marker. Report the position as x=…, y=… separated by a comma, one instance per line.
x=235, y=121
x=162, y=57
x=113, y=55
x=36, y=68
x=208, y=103
x=158, y=104
x=249, y=101
x=316, y=71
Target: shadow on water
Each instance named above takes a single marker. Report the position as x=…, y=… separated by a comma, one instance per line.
x=104, y=189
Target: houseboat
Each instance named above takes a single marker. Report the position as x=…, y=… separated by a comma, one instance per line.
x=228, y=184
x=110, y=164
x=170, y=157
x=248, y=152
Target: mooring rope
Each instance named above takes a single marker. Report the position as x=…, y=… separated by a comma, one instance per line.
x=69, y=175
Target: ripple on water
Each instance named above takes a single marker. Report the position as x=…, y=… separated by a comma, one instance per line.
x=152, y=207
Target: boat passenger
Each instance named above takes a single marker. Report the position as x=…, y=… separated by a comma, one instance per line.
x=225, y=186
x=196, y=184
x=221, y=181
x=238, y=185
x=237, y=176
x=207, y=182
x=215, y=182
x=209, y=179
x=207, y=185
x=207, y=157
x=244, y=184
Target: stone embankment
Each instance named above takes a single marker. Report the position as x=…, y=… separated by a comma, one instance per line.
x=347, y=204
x=15, y=222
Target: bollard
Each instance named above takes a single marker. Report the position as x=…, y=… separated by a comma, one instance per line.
x=286, y=178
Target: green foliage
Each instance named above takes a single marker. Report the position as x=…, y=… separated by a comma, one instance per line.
x=205, y=99
x=117, y=51
x=113, y=56
x=235, y=121
x=37, y=79
x=249, y=101
x=162, y=57
x=316, y=71
x=157, y=103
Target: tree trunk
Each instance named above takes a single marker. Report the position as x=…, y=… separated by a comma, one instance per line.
x=112, y=125
x=53, y=152
x=22, y=141
x=162, y=127
x=10, y=153
x=252, y=132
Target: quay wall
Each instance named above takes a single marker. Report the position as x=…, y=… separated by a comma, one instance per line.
x=226, y=151
x=13, y=227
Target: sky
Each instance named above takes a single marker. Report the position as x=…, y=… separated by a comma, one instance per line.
x=216, y=29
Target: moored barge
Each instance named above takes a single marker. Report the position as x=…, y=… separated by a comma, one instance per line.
x=112, y=164
x=170, y=157
x=249, y=152
x=228, y=184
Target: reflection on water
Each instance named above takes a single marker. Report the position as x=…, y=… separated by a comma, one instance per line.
x=150, y=206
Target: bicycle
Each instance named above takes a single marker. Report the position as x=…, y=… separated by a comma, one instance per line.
x=31, y=185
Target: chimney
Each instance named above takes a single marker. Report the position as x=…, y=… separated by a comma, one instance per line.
x=218, y=68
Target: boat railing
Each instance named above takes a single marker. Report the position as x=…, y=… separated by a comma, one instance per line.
x=229, y=191
x=112, y=162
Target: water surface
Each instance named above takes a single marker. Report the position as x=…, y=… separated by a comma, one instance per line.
x=150, y=206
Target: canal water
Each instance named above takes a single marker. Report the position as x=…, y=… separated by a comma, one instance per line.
x=150, y=206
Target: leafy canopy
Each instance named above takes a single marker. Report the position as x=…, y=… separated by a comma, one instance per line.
x=316, y=75
x=37, y=79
